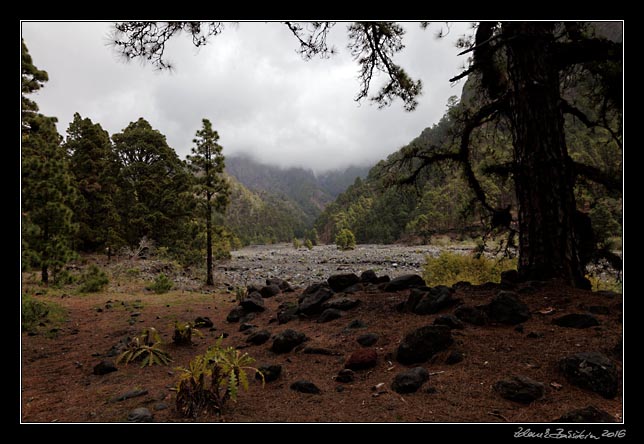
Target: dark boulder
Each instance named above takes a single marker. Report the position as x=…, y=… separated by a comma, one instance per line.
x=287, y=340
x=589, y=414
x=269, y=291
x=286, y=312
x=454, y=357
x=421, y=344
x=593, y=371
x=283, y=285
x=362, y=359
x=599, y=309
x=318, y=351
x=450, y=321
x=341, y=303
x=426, y=300
x=506, y=308
x=236, y=314
x=576, y=320
x=253, y=303
x=203, y=322
x=368, y=339
x=246, y=326
x=354, y=288
x=312, y=289
x=259, y=337
x=471, y=315
x=409, y=381
x=355, y=324
x=104, y=367
x=520, y=389
x=510, y=276
x=312, y=304
x=345, y=375
x=369, y=277
x=270, y=372
x=404, y=282
x=338, y=282
x=140, y=414
x=305, y=387
x=329, y=314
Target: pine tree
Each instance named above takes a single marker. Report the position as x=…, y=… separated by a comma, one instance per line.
x=154, y=199
x=47, y=191
x=210, y=186
x=94, y=166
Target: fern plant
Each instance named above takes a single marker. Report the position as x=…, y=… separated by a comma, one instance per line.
x=145, y=348
x=213, y=378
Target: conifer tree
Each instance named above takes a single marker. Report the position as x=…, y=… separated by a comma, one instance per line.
x=210, y=186
x=47, y=190
x=94, y=166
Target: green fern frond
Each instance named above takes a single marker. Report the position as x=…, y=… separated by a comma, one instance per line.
x=232, y=385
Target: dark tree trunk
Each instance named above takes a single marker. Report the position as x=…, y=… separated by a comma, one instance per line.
x=45, y=274
x=543, y=177
x=209, y=278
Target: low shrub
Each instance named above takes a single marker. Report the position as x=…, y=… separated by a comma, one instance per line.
x=162, y=284
x=37, y=313
x=93, y=280
x=450, y=268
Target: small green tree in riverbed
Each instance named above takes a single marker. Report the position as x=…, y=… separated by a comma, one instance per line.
x=207, y=165
x=345, y=240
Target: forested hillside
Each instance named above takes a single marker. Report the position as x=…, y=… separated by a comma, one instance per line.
x=296, y=188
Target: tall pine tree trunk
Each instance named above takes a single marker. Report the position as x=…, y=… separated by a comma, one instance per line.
x=543, y=177
x=209, y=278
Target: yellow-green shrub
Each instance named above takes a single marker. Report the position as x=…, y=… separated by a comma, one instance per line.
x=450, y=268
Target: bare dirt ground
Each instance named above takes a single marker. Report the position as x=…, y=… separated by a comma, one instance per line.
x=58, y=384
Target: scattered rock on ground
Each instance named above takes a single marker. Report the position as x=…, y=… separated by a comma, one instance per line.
x=421, y=344
x=471, y=315
x=160, y=406
x=362, y=359
x=286, y=313
x=454, y=357
x=426, y=300
x=253, y=302
x=367, y=339
x=345, y=375
x=338, y=282
x=305, y=387
x=404, y=282
x=588, y=414
x=128, y=395
x=506, y=308
x=246, y=326
x=269, y=291
x=259, y=337
x=355, y=324
x=329, y=314
x=283, y=285
x=593, y=371
x=312, y=304
x=236, y=314
x=271, y=372
x=140, y=414
x=318, y=351
x=520, y=389
x=369, y=277
x=341, y=303
x=287, y=340
x=104, y=367
x=576, y=320
x=409, y=381
x=203, y=322
x=599, y=309
x=449, y=321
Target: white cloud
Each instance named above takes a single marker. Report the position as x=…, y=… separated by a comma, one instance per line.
x=262, y=98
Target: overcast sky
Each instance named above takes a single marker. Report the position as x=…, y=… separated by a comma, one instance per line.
x=260, y=95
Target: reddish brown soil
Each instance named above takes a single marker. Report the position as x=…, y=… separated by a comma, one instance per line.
x=58, y=384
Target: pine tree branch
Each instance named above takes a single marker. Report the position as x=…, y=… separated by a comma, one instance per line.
x=596, y=175
x=584, y=51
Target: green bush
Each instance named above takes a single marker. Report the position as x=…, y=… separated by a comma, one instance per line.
x=37, y=313
x=308, y=244
x=93, y=280
x=345, y=240
x=450, y=268
x=213, y=378
x=162, y=284
x=63, y=277
x=296, y=243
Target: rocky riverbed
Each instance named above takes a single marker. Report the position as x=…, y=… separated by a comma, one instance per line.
x=301, y=267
